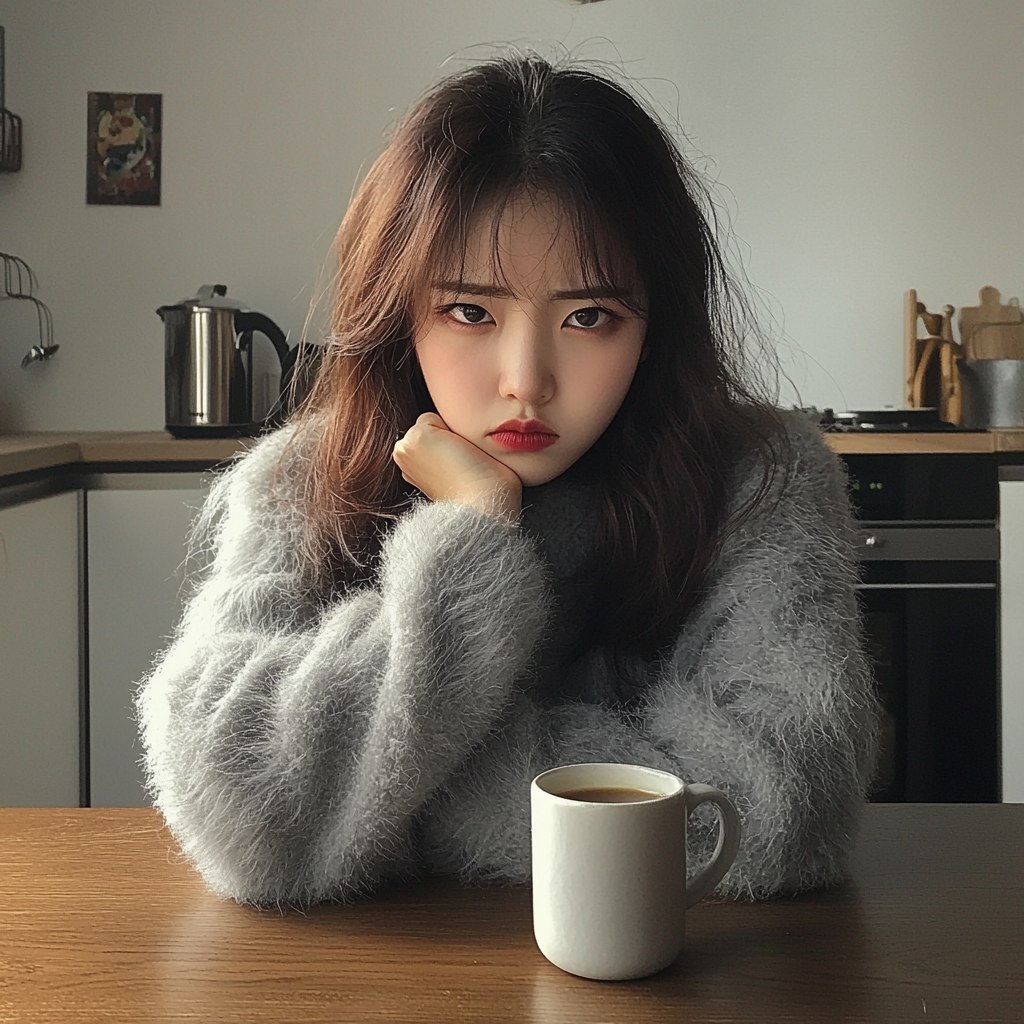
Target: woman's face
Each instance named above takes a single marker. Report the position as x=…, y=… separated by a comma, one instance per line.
x=534, y=348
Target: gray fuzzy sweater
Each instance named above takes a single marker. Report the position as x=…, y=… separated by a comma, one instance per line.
x=305, y=745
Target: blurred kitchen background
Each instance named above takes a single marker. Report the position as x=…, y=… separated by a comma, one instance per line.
x=859, y=149
x=865, y=157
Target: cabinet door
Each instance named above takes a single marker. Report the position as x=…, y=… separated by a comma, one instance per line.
x=1011, y=585
x=39, y=653
x=138, y=527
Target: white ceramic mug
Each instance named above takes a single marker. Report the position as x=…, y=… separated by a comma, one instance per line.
x=609, y=879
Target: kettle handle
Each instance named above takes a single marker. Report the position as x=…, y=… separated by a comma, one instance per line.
x=246, y=323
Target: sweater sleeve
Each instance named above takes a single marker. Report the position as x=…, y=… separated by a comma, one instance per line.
x=290, y=739
x=766, y=694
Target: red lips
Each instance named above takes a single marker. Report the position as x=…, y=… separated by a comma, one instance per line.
x=525, y=427
x=524, y=435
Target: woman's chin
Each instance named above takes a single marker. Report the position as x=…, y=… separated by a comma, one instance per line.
x=534, y=475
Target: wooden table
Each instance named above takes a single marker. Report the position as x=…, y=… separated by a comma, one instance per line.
x=103, y=921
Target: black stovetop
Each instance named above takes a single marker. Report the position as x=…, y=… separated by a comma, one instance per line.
x=886, y=421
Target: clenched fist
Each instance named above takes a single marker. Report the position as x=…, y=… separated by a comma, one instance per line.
x=447, y=467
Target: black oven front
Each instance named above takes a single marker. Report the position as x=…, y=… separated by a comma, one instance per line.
x=929, y=598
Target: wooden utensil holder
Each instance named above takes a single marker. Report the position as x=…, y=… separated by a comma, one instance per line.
x=931, y=375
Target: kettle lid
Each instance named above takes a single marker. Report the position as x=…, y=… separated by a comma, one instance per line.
x=211, y=296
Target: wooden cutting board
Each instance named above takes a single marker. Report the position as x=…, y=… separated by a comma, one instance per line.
x=991, y=330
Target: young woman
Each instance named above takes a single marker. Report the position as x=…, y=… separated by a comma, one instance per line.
x=530, y=515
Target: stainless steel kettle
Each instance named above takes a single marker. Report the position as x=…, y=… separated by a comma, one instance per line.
x=208, y=366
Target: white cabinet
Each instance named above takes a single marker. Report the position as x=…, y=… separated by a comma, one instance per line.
x=39, y=652
x=137, y=531
x=1011, y=582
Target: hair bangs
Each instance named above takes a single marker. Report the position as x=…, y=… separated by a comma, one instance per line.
x=604, y=259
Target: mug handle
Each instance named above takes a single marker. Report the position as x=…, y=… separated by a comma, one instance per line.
x=728, y=840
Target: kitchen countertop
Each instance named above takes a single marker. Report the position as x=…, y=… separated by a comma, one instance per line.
x=23, y=453
x=926, y=443
x=26, y=452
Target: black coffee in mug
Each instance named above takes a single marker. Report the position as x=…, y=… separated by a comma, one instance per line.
x=609, y=794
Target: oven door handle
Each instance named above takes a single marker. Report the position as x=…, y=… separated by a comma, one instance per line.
x=930, y=544
x=926, y=586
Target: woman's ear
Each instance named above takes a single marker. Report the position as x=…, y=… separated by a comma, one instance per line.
x=644, y=353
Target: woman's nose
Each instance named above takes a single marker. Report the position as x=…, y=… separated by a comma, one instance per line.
x=526, y=373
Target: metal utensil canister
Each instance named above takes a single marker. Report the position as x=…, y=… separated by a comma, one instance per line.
x=993, y=392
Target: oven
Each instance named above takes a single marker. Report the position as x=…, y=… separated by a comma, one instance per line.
x=929, y=595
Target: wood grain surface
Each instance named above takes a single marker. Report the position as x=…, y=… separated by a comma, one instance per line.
x=938, y=443
x=27, y=452
x=102, y=920
x=22, y=453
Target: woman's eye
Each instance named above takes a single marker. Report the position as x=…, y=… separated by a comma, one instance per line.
x=589, y=318
x=465, y=313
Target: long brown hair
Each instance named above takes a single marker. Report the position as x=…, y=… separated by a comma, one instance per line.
x=666, y=463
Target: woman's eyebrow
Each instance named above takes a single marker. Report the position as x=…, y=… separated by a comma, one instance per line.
x=496, y=291
x=594, y=293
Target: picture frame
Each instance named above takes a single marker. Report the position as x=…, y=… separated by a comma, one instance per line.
x=124, y=137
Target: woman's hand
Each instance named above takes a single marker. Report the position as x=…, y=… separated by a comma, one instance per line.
x=447, y=467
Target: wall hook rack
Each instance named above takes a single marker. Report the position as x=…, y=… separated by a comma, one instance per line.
x=10, y=124
x=20, y=282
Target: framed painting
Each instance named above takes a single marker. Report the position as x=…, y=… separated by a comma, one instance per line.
x=124, y=134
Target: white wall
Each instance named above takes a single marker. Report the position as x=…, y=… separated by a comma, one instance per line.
x=860, y=149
